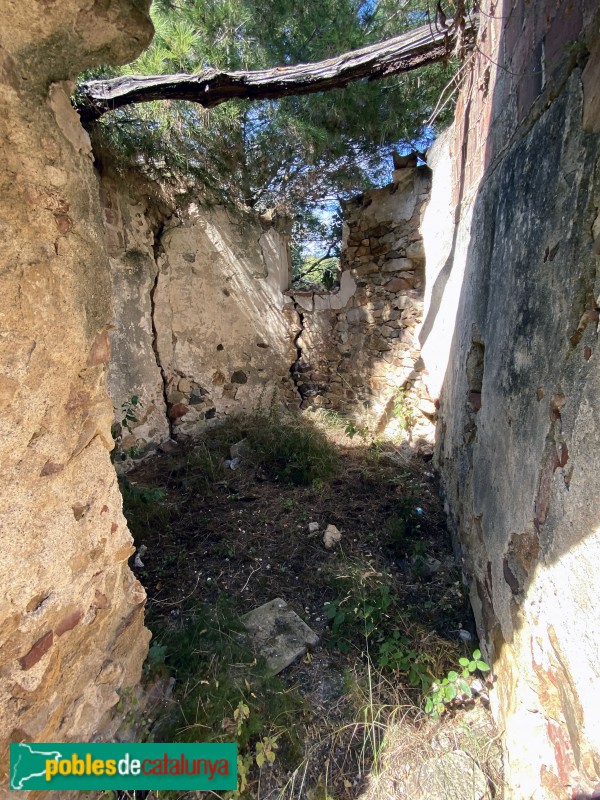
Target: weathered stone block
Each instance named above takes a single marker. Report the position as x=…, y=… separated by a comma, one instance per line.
x=398, y=265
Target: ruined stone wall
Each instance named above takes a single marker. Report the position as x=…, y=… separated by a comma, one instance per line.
x=204, y=325
x=510, y=342
x=71, y=612
x=357, y=351
x=200, y=327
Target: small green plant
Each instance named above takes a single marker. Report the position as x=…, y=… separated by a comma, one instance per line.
x=265, y=751
x=364, y=611
x=455, y=688
x=404, y=526
x=396, y=653
x=351, y=430
x=129, y=417
x=155, y=660
x=403, y=410
x=129, y=409
x=144, y=508
x=290, y=448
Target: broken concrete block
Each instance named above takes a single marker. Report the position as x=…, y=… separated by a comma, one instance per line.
x=278, y=634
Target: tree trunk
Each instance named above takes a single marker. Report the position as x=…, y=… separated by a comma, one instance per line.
x=424, y=45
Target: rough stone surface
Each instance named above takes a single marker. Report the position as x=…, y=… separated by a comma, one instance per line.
x=65, y=651
x=357, y=351
x=509, y=340
x=278, y=634
x=132, y=226
x=331, y=536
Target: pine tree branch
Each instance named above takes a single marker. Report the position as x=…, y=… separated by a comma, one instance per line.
x=424, y=45
x=314, y=266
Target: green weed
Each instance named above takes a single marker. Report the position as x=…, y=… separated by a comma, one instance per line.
x=455, y=688
x=223, y=693
x=145, y=509
x=290, y=448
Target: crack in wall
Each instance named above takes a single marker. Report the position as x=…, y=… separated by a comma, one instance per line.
x=298, y=363
x=158, y=251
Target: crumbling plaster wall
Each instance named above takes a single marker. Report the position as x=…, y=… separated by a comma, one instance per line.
x=510, y=342
x=201, y=326
x=205, y=326
x=223, y=337
x=71, y=632
x=133, y=225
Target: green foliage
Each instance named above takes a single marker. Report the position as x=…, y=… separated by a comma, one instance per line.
x=370, y=610
x=145, y=509
x=397, y=653
x=290, y=448
x=455, y=688
x=363, y=610
x=129, y=411
x=403, y=410
x=352, y=429
x=281, y=153
x=316, y=230
x=224, y=694
x=404, y=526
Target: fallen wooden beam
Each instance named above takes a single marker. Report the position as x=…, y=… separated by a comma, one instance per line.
x=425, y=45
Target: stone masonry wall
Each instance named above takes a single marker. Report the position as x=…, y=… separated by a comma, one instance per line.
x=71, y=633
x=510, y=341
x=358, y=351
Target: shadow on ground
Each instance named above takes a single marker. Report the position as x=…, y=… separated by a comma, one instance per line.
x=386, y=601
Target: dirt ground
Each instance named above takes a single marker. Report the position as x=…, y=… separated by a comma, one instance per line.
x=208, y=534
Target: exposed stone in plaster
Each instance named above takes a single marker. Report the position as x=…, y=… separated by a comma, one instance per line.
x=132, y=229
x=357, y=346
x=202, y=325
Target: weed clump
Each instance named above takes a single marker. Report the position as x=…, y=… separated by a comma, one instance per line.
x=281, y=445
x=291, y=449
x=145, y=508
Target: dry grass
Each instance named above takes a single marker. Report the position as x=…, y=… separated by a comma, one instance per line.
x=410, y=741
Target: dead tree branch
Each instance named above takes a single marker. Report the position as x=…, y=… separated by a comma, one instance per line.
x=418, y=47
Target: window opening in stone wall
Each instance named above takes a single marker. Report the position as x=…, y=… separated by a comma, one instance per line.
x=316, y=247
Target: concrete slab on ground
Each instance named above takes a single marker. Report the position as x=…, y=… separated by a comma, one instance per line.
x=278, y=634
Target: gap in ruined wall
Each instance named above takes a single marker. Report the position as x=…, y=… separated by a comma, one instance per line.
x=360, y=355
x=316, y=243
